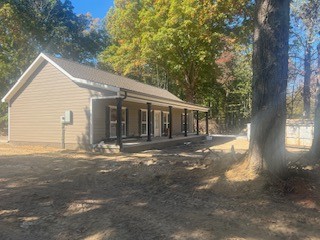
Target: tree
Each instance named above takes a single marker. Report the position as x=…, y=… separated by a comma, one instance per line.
x=124, y=56
x=315, y=147
x=16, y=49
x=29, y=27
x=236, y=81
x=176, y=40
x=53, y=27
x=306, y=25
x=270, y=73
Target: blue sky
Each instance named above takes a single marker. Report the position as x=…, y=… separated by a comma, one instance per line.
x=97, y=8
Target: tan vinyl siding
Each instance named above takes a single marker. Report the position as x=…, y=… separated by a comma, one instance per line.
x=99, y=119
x=176, y=119
x=37, y=107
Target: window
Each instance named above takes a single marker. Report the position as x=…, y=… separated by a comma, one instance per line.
x=113, y=121
x=165, y=122
x=144, y=122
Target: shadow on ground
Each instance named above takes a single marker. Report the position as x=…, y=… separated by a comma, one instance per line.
x=169, y=194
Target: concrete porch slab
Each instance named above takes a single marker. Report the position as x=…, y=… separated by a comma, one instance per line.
x=161, y=143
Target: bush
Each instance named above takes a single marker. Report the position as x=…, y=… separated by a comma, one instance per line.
x=3, y=119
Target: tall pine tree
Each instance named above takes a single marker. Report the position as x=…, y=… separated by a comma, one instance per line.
x=270, y=73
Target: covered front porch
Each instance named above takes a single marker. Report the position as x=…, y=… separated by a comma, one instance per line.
x=132, y=123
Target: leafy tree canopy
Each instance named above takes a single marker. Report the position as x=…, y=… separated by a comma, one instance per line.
x=28, y=27
x=171, y=43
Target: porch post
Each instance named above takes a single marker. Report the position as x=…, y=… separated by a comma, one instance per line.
x=149, y=122
x=170, y=122
x=197, y=114
x=119, y=122
x=185, y=122
x=207, y=123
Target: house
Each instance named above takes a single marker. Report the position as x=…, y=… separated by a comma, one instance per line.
x=57, y=101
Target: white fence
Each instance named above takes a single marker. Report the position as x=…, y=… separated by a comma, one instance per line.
x=299, y=132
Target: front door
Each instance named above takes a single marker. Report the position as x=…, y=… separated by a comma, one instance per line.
x=157, y=123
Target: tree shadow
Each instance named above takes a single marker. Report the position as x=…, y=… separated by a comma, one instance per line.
x=142, y=196
x=84, y=139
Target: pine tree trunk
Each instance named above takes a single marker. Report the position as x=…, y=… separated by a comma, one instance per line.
x=315, y=147
x=307, y=77
x=270, y=73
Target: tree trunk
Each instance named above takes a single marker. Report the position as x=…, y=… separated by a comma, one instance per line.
x=315, y=147
x=270, y=73
x=189, y=89
x=307, y=77
x=190, y=95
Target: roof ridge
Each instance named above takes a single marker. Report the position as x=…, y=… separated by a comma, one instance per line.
x=97, y=69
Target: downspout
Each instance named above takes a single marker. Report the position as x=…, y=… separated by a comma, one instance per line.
x=9, y=122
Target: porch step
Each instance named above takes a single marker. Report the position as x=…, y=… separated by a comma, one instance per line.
x=107, y=148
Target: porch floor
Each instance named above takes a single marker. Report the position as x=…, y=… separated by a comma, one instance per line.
x=138, y=145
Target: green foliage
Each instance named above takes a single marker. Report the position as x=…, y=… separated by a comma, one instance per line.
x=173, y=44
x=52, y=26
x=28, y=27
x=230, y=100
x=16, y=47
x=240, y=89
x=3, y=117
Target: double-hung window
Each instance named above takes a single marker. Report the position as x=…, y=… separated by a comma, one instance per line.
x=113, y=122
x=144, y=122
x=165, y=122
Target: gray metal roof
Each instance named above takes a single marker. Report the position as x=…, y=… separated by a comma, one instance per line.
x=81, y=71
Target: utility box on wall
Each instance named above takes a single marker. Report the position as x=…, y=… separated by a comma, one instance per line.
x=68, y=117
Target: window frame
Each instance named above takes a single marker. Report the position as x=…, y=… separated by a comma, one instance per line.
x=165, y=124
x=144, y=122
x=123, y=122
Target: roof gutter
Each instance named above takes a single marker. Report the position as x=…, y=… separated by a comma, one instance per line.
x=164, y=101
x=96, y=85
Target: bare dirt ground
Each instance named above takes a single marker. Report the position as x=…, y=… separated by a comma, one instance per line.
x=3, y=139
x=186, y=192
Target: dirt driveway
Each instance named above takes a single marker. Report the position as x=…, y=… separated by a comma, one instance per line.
x=177, y=193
